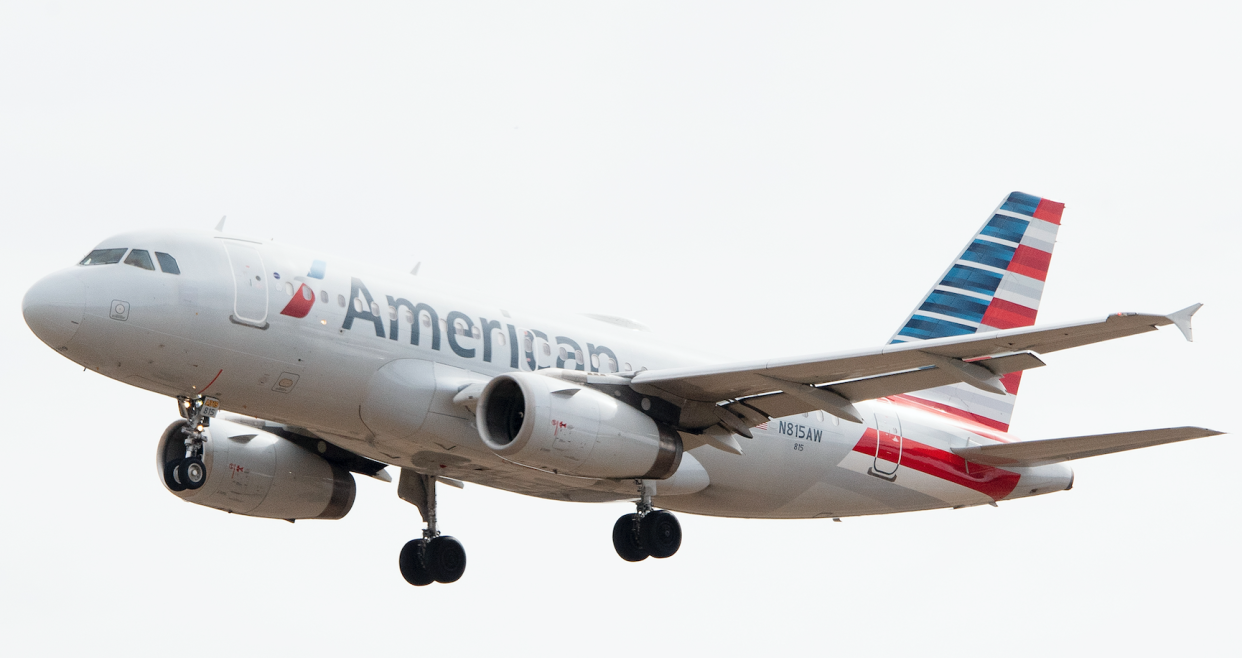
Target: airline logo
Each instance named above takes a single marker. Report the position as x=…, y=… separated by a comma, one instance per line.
x=304, y=299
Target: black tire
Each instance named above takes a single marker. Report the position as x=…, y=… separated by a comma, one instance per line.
x=446, y=559
x=171, y=479
x=193, y=472
x=628, y=543
x=661, y=533
x=411, y=562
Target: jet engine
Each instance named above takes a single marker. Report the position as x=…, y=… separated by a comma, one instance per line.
x=256, y=473
x=569, y=429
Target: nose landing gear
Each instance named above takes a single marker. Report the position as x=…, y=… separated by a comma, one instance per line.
x=190, y=472
x=647, y=532
x=435, y=557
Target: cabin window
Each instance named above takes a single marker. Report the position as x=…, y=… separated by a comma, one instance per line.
x=409, y=316
x=628, y=367
x=340, y=299
x=426, y=319
x=564, y=354
x=289, y=288
x=103, y=257
x=375, y=309
x=323, y=296
x=459, y=328
x=595, y=361
x=358, y=307
x=140, y=258
x=392, y=313
x=474, y=331
x=579, y=357
x=500, y=339
x=167, y=263
x=547, y=350
x=530, y=347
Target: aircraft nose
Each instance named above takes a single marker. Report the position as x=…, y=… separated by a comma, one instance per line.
x=53, y=308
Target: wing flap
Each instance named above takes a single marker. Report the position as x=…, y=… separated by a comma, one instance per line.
x=1049, y=451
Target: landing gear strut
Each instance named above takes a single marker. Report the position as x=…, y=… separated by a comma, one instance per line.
x=190, y=472
x=647, y=532
x=435, y=557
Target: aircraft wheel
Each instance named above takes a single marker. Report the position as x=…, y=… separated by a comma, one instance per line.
x=193, y=472
x=171, y=477
x=627, y=542
x=661, y=533
x=446, y=559
x=411, y=563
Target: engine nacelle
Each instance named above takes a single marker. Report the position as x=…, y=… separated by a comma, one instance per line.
x=257, y=473
x=560, y=426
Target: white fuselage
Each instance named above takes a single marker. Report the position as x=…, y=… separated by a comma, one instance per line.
x=217, y=328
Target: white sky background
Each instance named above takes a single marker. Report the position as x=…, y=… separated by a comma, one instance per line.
x=764, y=179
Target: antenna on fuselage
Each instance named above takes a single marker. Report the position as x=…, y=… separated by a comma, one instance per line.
x=414, y=272
x=220, y=226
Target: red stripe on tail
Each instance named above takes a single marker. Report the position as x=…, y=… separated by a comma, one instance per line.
x=1007, y=315
x=1049, y=211
x=1031, y=262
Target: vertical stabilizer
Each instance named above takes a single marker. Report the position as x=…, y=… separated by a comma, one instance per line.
x=996, y=282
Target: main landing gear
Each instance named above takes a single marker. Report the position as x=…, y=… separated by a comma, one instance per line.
x=435, y=557
x=646, y=533
x=190, y=472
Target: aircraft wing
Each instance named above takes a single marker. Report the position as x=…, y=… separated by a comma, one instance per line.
x=757, y=390
x=1049, y=451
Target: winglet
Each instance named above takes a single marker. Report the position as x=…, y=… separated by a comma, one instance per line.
x=1181, y=320
x=220, y=226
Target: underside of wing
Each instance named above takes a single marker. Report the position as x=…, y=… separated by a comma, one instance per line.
x=1049, y=451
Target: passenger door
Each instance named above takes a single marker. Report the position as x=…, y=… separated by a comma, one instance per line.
x=250, y=288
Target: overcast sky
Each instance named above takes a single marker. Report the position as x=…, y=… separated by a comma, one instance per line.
x=765, y=179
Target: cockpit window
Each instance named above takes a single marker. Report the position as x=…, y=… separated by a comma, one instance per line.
x=103, y=257
x=167, y=263
x=140, y=258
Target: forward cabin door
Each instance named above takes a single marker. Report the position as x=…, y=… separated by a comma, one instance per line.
x=887, y=445
x=249, y=284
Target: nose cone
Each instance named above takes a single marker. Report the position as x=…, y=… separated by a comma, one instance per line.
x=53, y=308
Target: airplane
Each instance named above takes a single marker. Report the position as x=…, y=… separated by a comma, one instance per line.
x=294, y=370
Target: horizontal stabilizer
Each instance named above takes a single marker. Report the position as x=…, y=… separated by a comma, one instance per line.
x=1049, y=451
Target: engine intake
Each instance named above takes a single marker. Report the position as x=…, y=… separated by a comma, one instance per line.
x=256, y=473
x=555, y=425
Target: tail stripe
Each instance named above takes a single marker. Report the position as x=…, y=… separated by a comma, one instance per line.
x=972, y=279
x=995, y=283
x=962, y=307
x=1006, y=227
x=989, y=253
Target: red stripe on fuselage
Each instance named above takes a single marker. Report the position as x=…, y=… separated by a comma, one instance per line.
x=985, y=425
x=993, y=482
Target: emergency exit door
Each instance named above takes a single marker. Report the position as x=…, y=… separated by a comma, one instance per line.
x=887, y=445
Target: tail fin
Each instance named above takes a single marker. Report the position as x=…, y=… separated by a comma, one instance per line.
x=996, y=282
